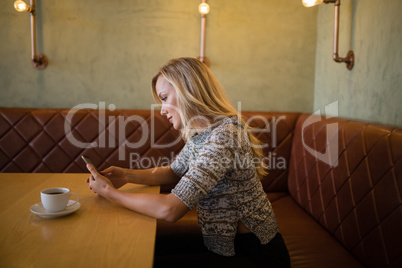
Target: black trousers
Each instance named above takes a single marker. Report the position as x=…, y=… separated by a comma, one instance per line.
x=249, y=253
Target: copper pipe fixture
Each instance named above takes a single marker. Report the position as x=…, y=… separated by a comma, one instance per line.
x=203, y=8
x=350, y=57
x=39, y=61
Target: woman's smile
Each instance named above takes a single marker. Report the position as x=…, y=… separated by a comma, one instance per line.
x=167, y=95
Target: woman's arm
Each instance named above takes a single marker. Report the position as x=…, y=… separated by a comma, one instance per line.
x=160, y=206
x=153, y=176
x=165, y=207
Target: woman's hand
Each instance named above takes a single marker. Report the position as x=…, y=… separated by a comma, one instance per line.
x=116, y=175
x=166, y=207
x=98, y=183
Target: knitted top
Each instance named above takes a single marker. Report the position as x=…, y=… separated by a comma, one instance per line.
x=218, y=174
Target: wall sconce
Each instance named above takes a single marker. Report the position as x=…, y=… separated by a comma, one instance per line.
x=203, y=8
x=350, y=57
x=39, y=61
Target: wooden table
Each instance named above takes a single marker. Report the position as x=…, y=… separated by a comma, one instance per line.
x=99, y=234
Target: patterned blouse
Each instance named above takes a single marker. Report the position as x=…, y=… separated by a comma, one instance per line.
x=217, y=170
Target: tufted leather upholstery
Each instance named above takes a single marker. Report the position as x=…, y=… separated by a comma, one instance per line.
x=329, y=216
x=358, y=199
x=35, y=140
x=275, y=131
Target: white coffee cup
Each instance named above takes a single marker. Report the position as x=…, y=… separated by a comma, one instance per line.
x=56, y=199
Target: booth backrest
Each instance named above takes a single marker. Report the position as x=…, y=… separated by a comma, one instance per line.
x=53, y=140
x=348, y=176
x=275, y=131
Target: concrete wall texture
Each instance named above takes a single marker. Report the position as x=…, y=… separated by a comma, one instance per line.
x=270, y=55
x=372, y=90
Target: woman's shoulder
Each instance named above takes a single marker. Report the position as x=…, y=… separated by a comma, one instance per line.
x=223, y=129
x=227, y=129
x=228, y=124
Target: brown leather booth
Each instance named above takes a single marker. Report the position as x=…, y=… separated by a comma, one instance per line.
x=335, y=184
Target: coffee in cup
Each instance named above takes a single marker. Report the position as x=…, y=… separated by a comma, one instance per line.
x=56, y=199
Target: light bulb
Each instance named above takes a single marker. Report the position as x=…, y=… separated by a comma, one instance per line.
x=203, y=8
x=20, y=6
x=310, y=3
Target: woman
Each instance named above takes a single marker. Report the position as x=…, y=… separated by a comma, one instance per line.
x=215, y=171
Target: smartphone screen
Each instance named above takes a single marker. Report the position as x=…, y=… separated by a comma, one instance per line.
x=88, y=161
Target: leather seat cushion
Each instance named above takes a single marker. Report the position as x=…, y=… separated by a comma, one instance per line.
x=309, y=244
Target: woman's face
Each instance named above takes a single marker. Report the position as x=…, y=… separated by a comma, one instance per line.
x=167, y=95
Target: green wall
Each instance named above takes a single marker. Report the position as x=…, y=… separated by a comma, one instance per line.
x=262, y=51
x=372, y=90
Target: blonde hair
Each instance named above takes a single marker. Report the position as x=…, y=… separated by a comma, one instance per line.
x=200, y=93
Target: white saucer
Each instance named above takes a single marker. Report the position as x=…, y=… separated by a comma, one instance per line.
x=39, y=210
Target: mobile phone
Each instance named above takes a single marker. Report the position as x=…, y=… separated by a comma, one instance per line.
x=88, y=161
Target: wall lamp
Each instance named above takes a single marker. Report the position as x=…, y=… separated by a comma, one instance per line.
x=203, y=8
x=39, y=61
x=350, y=57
